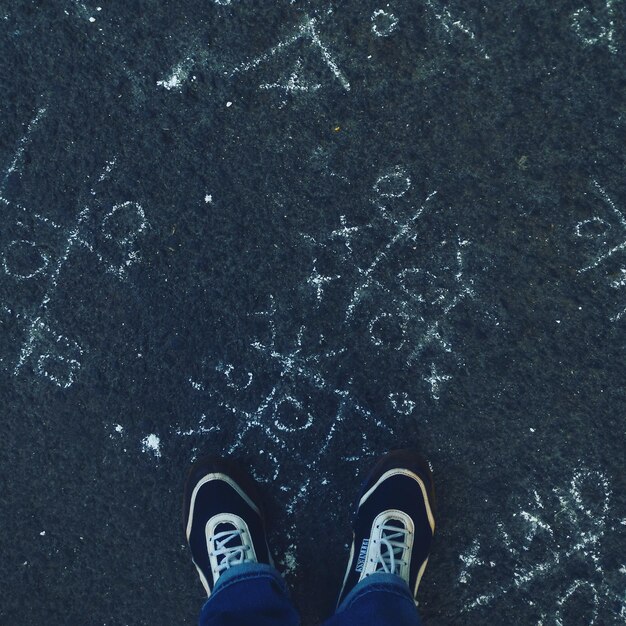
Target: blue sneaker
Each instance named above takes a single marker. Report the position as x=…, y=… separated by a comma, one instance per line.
x=223, y=520
x=394, y=523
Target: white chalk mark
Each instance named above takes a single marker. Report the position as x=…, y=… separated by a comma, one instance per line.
x=281, y=413
x=577, y=528
x=106, y=172
x=199, y=430
x=423, y=294
x=622, y=220
x=383, y=23
x=393, y=184
x=330, y=61
x=604, y=31
x=306, y=30
x=433, y=334
x=12, y=255
x=151, y=444
x=618, y=316
x=609, y=201
x=44, y=363
x=603, y=257
x=270, y=315
x=277, y=49
x=132, y=236
x=450, y=25
x=16, y=163
x=403, y=232
x=49, y=365
x=581, y=228
x=535, y=524
x=620, y=282
x=318, y=282
x=59, y=363
x=410, y=290
x=293, y=407
x=596, y=227
x=295, y=362
x=275, y=465
x=227, y=369
x=197, y=385
x=58, y=357
x=377, y=325
x=179, y=74
x=401, y=403
x=36, y=216
x=470, y=560
x=434, y=380
x=82, y=9
x=299, y=496
x=126, y=239
x=575, y=588
x=294, y=84
x=347, y=233
x=29, y=345
x=289, y=562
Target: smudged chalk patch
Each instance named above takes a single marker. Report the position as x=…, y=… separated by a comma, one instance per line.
x=151, y=444
x=180, y=73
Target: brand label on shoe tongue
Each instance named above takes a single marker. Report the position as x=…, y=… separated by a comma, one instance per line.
x=360, y=564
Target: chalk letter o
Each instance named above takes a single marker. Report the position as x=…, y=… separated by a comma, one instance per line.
x=393, y=184
x=19, y=251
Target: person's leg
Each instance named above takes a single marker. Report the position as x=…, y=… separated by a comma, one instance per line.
x=380, y=600
x=393, y=532
x=251, y=594
x=226, y=535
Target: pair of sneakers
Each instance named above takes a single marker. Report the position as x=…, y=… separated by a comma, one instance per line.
x=393, y=525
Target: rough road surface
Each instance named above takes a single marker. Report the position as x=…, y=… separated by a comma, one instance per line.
x=304, y=233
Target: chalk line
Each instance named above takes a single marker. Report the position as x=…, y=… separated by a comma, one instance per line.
x=308, y=29
x=16, y=163
x=434, y=380
x=293, y=84
x=449, y=24
x=622, y=220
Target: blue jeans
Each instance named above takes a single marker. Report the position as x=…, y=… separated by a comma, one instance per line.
x=256, y=595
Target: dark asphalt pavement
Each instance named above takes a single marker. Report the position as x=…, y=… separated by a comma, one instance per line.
x=304, y=233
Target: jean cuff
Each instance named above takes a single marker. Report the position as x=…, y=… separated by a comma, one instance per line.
x=378, y=582
x=245, y=571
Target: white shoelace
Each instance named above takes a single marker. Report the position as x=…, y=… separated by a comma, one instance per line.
x=395, y=540
x=232, y=555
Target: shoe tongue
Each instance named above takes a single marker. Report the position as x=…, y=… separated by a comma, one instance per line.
x=224, y=527
x=235, y=540
x=395, y=523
